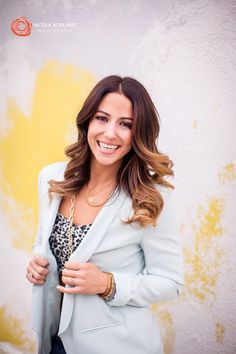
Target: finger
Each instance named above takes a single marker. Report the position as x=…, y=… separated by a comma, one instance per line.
x=40, y=270
x=38, y=276
x=43, y=262
x=35, y=274
x=71, y=281
x=73, y=265
x=72, y=290
x=70, y=273
x=33, y=280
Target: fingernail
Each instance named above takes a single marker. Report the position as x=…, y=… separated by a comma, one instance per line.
x=58, y=286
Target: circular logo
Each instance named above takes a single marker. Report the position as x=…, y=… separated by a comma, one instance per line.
x=21, y=26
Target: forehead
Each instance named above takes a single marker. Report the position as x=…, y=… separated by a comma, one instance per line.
x=115, y=102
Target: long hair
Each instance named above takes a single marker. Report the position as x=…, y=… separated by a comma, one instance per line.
x=141, y=169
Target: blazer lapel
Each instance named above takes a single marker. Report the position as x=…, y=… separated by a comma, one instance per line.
x=51, y=214
x=89, y=245
x=52, y=209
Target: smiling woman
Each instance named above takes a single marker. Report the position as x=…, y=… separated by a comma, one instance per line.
x=107, y=244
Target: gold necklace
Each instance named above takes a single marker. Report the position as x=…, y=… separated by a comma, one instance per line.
x=90, y=202
x=69, y=232
x=71, y=219
x=90, y=199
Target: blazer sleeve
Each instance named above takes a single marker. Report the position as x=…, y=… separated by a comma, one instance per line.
x=37, y=245
x=163, y=276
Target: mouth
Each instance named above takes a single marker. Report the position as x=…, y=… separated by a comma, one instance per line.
x=107, y=147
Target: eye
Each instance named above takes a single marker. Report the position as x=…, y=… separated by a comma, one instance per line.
x=102, y=118
x=127, y=125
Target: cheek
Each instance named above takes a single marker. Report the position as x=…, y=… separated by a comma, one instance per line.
x=128, y=140
x=89, y=139
x=91, y=132
x=94, y=129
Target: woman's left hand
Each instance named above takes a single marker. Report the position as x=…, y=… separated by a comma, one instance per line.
x=83, y=278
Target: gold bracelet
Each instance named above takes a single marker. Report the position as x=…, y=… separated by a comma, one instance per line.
x=112, y=284
x=112, y=287
x=108, y=285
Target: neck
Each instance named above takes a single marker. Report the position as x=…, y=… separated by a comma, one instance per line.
x=100, y=174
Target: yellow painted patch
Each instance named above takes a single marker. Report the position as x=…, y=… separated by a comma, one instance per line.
x=227, y=173
x=219, y=332
x=38, y=140
x=12, y=331
x=167, y=326
x=169, y=335
x=203, y=257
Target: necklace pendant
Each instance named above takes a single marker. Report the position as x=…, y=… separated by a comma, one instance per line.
x=91, y=200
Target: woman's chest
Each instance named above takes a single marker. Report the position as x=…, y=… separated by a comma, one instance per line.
x=83, y=213
x=120, y=248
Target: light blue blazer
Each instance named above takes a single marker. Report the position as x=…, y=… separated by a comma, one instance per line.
x=147, y=266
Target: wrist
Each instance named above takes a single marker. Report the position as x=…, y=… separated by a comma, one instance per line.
x=105, y=283
x=111, y=287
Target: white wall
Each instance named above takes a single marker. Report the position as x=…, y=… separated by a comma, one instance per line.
x=184, y=54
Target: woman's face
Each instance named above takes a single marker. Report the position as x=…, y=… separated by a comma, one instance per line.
x=109, y=131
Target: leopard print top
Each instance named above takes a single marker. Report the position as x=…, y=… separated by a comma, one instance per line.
x=58, y=240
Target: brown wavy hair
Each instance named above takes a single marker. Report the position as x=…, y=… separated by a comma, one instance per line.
x=142, y=168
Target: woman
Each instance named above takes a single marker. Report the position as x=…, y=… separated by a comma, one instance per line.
x=107, y=245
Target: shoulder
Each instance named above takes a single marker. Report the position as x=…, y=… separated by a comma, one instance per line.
x=168, y=212
x=167, y=223
x=53, y=171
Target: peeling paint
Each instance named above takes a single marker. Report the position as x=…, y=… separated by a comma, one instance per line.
x=227, y=173
x=204, y=257
x=12, y=331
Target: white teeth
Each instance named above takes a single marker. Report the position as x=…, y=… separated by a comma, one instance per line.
x=106, y=146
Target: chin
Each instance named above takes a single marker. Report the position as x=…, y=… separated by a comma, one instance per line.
x=107, y=161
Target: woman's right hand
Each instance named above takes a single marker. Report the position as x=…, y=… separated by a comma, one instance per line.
x=37, y=270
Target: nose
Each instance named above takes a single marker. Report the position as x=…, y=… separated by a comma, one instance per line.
x=110, y=131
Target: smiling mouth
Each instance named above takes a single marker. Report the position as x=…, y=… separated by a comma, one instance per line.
x=107, y=147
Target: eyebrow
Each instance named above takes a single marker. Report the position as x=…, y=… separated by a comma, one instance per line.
x=110, y=115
